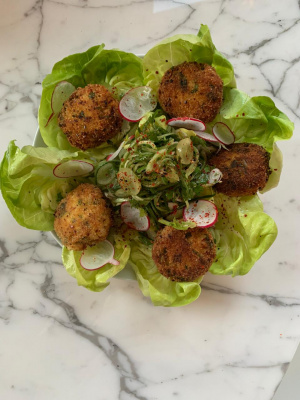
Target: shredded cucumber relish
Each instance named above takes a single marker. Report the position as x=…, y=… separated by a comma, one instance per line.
x=159, y=170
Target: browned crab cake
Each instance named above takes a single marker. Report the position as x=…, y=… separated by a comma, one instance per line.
x=83, y=218
x=183, y=256
x=245, y=169
x=191, y=90
x=90, y=117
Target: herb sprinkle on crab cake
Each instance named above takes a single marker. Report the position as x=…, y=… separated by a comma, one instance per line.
x=90, y=117
x=192, y=90
x=83, y=218
x=183, y=256
x=245, y=169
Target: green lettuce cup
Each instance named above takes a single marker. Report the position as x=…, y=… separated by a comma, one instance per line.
x=117, y=70
x=30, y=188
x=180, y=48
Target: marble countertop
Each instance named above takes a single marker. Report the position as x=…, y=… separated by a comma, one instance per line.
x=60, y=341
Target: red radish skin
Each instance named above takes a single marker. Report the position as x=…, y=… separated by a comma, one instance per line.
x=112, y=156
x=113, y=262
x=110, y=260
x=127, y=119
x=225, y=138
x=207, y=136
x=133, y=106
x=64, y=96
x=131, y=218
x=187, y=123
x=49, y=119
x=193, y=214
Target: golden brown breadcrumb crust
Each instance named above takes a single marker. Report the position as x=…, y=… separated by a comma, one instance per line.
x=245, y=169
x=90, y=117
x=83, y=218
x=192, y=90
x=183, y=256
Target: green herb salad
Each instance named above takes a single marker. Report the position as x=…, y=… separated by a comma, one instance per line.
x=151, y=172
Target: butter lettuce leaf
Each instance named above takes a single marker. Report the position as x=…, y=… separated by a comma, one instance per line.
x=112, y=68
x=254, y=119
x=275, y=164
x=28, y=185
x=180, y=48
x=162, y=291
x=96, y=280
x=243, y=234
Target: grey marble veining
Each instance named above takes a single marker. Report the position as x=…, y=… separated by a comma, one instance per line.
x=60, y=341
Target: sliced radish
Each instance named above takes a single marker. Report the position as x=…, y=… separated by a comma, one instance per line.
x=203, y=212
x=112, y=156
x=72, y=168
x=206, y=136
x=223, y=133
x=97, y=256
x=187, y=123
x=132, y=217
x=214, y=176
x=136, y=103
x=61, y=93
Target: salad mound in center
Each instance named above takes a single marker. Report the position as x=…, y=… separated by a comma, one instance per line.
x=151, y=166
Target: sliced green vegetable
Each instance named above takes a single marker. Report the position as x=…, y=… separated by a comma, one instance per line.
x=128, y=181
x=185, y=151
x=178, y=224
x=105, y=174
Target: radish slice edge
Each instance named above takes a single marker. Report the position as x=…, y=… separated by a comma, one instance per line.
x=131, y=216
x=203, y=212
x=98, y=256
x=72, y=168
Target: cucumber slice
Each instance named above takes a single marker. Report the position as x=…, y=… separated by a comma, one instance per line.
x=128, y=181
x=105, y=174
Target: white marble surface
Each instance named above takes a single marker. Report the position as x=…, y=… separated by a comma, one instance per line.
x=59, y=341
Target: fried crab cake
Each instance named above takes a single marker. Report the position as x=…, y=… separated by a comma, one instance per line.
x=245, y=169
x=192, y=90
x=83, y=218
x=90, y=117
x=183, y=256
